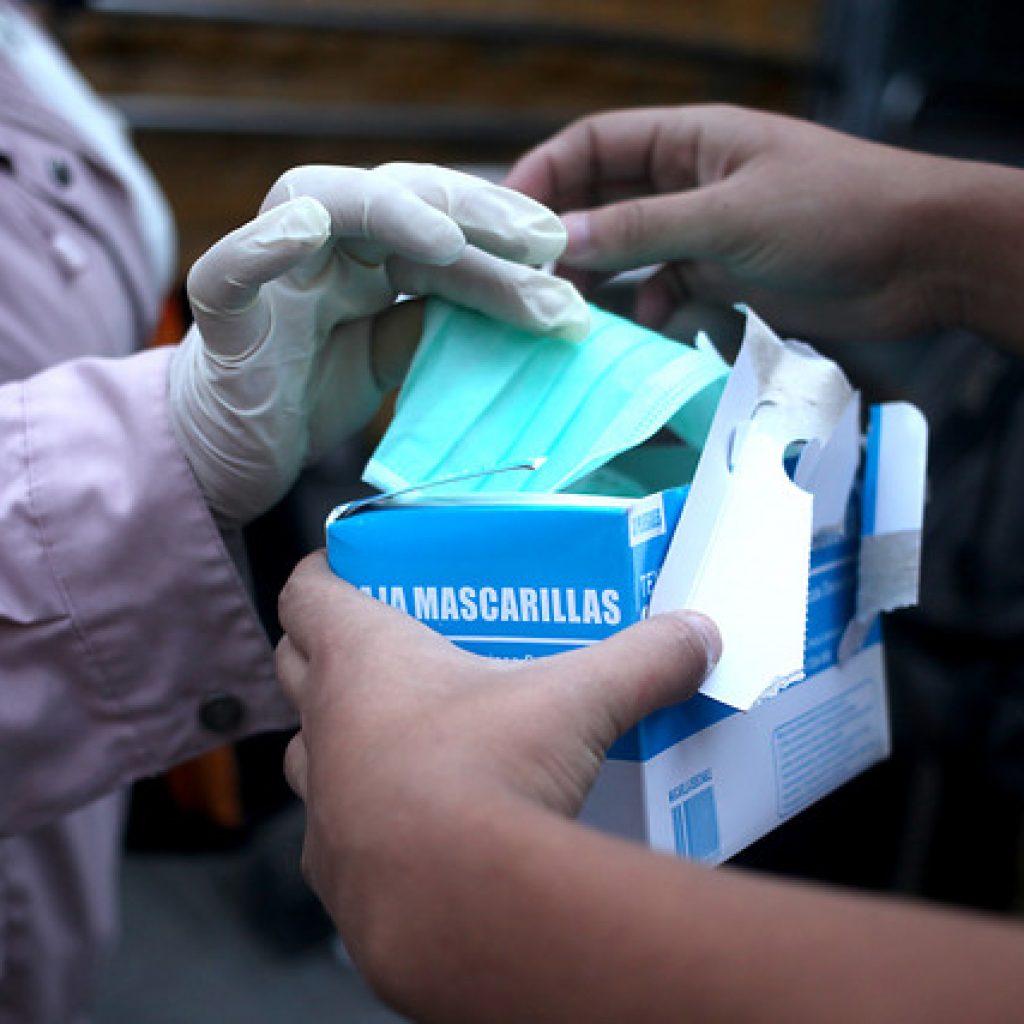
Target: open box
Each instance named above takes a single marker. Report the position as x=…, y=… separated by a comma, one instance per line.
x=793, y=535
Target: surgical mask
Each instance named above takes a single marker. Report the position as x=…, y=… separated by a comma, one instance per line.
x=481, y=395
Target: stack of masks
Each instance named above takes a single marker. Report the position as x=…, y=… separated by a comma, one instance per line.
x=481, y=395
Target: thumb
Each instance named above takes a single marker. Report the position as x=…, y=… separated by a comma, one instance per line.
x=654, y=229
x=224, y=283
x=660, y=661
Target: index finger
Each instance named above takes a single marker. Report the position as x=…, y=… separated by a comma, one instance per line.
x=224, y=283
x=604, y=156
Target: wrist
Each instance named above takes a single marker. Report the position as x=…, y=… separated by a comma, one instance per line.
x=966, y=229
x=416, y=880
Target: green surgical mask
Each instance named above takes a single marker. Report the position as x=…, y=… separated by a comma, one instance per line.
x=481, y=395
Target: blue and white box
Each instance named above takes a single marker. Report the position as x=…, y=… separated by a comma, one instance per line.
x=798, y=704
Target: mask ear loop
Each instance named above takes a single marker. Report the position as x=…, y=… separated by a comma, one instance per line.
x=361, y=504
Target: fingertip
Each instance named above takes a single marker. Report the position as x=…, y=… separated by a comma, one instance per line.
x=309, y=573
x=510, y=224
x=311, y=566
x=575, y=326
x=542, y=226
x=542, y=242
x=317, y=560
x=304, y=220
x=559, y=308
x=653, y=664
x=525, y=176
x=706, y=632
x=578, y=235
x=225, y=280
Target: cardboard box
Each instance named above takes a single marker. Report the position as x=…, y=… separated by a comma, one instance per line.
x=798, y=704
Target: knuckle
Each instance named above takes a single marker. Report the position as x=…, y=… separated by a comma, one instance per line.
x=577, y=126
x=628, y=228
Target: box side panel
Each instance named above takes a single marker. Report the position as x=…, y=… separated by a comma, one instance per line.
x=616, y=801
x=727, y=786
x=701, y=779
x=717, y=779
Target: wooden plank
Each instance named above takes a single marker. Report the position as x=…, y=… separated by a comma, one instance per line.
x=780, y=26
x=225, y=108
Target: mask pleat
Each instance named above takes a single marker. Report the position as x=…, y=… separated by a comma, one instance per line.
x=482, y=394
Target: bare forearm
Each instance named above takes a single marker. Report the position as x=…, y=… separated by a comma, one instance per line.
x=968, y=227
x=428, y=774
x=505, y=913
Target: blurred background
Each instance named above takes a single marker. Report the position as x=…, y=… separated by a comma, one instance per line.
x=223, y=97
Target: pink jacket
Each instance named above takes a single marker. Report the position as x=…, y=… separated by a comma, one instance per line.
x=122, y=615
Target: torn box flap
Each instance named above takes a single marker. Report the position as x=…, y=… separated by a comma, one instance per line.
x=891, y=517
x=741, y=550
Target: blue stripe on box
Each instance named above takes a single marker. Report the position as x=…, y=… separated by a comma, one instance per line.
x=871, y=464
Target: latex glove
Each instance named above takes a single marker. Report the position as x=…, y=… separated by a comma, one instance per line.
x=279, y=366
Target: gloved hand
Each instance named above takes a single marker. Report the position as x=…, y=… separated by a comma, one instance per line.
x=280, y=366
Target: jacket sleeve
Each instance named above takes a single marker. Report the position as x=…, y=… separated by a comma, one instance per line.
x=123, y=619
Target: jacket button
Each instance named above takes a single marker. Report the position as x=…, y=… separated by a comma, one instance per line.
x=222, y=713
x=60, y=171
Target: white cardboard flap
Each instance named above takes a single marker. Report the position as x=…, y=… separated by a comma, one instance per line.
x=741, y=550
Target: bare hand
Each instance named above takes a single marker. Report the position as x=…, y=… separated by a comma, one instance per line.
x=825, y=235
x=401, y=730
